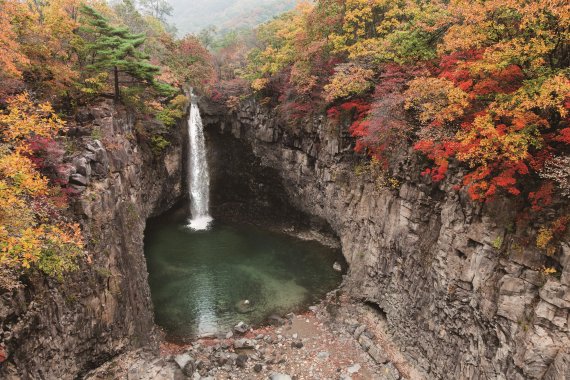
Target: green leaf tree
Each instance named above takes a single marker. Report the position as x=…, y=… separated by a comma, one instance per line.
x=116, y=49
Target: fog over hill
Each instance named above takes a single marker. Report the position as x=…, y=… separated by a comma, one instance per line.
x=191, y=16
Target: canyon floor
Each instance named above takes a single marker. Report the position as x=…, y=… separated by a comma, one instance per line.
x=337, y=339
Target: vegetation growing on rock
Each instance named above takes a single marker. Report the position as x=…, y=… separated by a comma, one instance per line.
x=482, y=86
x=57, y=57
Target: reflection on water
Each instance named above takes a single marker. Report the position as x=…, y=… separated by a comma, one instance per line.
x=207, y=281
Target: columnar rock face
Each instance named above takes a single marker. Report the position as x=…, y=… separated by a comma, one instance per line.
x=459, y=304
x=60, y=330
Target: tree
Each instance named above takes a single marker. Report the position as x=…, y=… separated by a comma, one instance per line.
x=33, y=230
x=207, y=36
x=116, y=49
x=157, y=8
x=402, y=31
x=11, y=57
x=188, y=61
x=128, y=13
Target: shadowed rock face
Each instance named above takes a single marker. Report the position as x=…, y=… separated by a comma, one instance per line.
x=58, y=330
x=425, y=255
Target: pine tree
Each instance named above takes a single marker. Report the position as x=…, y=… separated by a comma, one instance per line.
x=116, y=49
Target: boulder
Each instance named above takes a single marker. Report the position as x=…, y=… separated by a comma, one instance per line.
x=78, y=179
x=186, y=364
x=297, y=344
x=353, y=368
x=241, y=360
x=241, y=328
x=244, y=343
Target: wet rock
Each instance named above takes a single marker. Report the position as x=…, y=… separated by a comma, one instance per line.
x=337, y=267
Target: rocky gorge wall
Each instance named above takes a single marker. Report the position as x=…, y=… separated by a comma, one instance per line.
x=458, y=304
x=61, y=329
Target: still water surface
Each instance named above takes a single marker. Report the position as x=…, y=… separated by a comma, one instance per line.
x=200, y=280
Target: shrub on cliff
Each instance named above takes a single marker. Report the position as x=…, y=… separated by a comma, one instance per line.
x=116, y=49
x=482, y=86
x=494, y=99
x=34, y=232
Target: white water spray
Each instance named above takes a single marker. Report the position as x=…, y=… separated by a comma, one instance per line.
x=198, y=175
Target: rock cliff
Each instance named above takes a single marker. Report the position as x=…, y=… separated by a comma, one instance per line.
x=440, y=272
x=433, y=264
x=60, y=330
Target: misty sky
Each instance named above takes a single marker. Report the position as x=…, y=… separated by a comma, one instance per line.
x=191, y=16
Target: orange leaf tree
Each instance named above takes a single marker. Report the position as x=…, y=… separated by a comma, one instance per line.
x=33, y=230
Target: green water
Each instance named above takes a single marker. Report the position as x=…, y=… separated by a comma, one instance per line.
x=200, y=280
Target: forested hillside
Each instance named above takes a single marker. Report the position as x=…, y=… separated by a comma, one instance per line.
x=57, y=57
x=225, y=15
x=478, y=88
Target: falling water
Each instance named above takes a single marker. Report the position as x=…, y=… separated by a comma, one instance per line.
x=199, y=178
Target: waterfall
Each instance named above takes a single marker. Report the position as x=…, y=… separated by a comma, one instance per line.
x=198, y=175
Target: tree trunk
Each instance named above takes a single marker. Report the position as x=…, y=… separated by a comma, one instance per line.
x=117, y=94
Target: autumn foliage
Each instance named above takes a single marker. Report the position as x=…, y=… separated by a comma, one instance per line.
x=33, y=228
x=482, y=85
x=57, y=56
